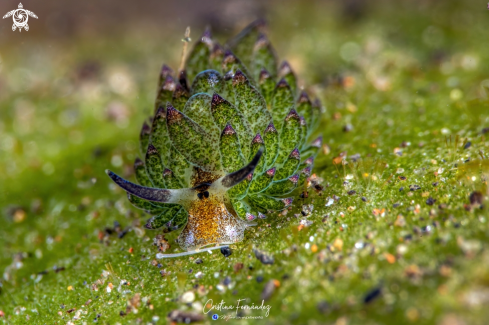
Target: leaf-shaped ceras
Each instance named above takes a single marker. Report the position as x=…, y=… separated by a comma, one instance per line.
x=228, y=140
x=192, y=141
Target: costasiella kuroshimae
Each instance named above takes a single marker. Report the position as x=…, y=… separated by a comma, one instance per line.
x=228, y=142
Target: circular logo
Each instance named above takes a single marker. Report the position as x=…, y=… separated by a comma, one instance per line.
x=215, y=316
x=20, y=18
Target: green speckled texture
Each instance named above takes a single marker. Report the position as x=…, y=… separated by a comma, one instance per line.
x=262, y=182
x=250, y=103
x=283, y=186
x=208, y=81
x=159, y=136
x=154, y=167
x=289, y=166
x=290, y=137
x=232, y=157
x=197, y=146
x=198, y=110
x=282, y=102
x=225, y=113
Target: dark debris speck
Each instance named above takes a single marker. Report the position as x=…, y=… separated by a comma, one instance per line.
x=352, y=192
x=307, y=209
x=226, y=251
x=58, y=269
x=414, y=187
x=262, y=257
x=121, y=234
x=426, y=229
x=238, y=267
x=323, y=307
x=226, y=281
x=476, y=198
x=430, y=201
x=318, y=187
x=372, y=295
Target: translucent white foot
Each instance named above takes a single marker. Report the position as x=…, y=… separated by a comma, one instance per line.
x=197, y=251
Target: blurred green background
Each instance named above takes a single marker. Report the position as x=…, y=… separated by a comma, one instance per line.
x=405, y=87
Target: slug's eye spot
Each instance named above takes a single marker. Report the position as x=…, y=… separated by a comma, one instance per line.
x=202, y=195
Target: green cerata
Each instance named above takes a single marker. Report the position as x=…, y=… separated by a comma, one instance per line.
x=228, y=142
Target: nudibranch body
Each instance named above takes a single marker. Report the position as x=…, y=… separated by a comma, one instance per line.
x=209, y=221
x=229, y=147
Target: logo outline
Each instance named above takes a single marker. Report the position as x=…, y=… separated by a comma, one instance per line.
x=20, y=16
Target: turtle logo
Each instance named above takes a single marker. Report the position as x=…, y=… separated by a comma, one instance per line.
x=20, y=16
